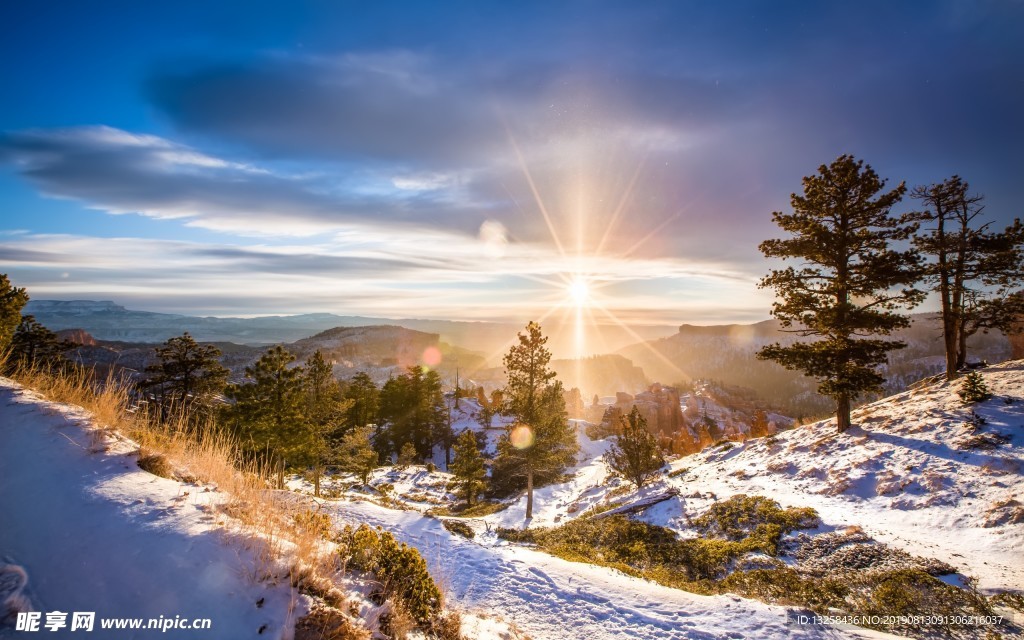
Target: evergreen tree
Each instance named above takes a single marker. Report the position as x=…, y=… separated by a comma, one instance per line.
x=488, y=406
x=365, y=399
x=973, y=271
x=413, y=408
x=852, y=282
x=356, y=454
x=541, y=443
x=188, y=373
x=635, y=455
x=407, y=455
x=973, y=389
x=35, y=345
x=268, y=411
x=326, y=416
x=12, y=299
x=468, y=467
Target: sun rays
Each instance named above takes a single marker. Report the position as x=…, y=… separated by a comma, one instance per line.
x=574, y=294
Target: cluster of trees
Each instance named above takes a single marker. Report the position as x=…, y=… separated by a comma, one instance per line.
x=23, y=340
x=860, y=265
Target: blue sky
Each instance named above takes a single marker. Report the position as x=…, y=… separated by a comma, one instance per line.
x=467, y=160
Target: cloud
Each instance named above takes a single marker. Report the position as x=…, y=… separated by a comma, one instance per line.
x=375, y=272
x=423, y=110
x=121, y=172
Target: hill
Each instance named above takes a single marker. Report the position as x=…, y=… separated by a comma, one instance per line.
x=106, y=320
x=726, y=353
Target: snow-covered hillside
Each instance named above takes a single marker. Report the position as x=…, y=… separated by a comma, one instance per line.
x=918, y=471
x=92, y=532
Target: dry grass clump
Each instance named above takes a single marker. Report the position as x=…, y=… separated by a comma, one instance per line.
x=328, y=623
x=156, y=464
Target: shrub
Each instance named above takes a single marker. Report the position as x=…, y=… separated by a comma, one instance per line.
x=741, y=515
x=786, y=586
x=400, y=570
x=328, y=623
x=973, y=389
x=459, y=528
x=156, y=464
x=318, y=524
x=911, y=592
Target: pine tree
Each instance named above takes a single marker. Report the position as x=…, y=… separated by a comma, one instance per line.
x=973, y=271
x=188, y=373
x=356, y=454
x=407, y=455
x=973, y=389
x=635, y=455
x=413, y=408
x=541, y=443
x=12, y=299
x=268, y=411
x=35, y=345
x=488, y=406
x=326, y=416
x=365, y=399
x=468, y=467
x=852, y=282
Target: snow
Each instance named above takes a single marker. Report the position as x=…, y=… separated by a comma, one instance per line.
x=899, y=474
x=94, y=533
x=548, y=597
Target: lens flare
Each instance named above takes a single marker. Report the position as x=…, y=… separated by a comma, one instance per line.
x=432, y=357
x=521, y=437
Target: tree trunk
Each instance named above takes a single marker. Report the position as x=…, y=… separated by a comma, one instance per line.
x=529, y=494
x=280, y=473
x=843, y=413
x=961, y=351
x=316, y=480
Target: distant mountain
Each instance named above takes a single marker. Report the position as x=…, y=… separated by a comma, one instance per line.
x=106, y=320
x=379, y=350
x=727, y=353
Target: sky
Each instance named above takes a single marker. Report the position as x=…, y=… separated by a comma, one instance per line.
x=473, y=160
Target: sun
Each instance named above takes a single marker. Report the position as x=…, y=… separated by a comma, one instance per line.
x=579, y=291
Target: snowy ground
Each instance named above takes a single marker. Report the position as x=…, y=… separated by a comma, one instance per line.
x=905, y=474
x=94, y=533
x=548, y=597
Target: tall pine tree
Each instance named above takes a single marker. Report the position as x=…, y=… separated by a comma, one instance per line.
x=973, y=271
x=540, y=443
x=365, y=399
x=850, y=284
x=326, y=416
x=268, y=413
x=468, y=467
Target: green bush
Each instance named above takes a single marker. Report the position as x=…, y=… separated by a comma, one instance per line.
x=786, y=586
x=912, y=592
x=400, y=570
x=742, y=516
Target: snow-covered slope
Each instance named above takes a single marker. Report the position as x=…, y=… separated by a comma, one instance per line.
x=916, y=471
x=94, y=533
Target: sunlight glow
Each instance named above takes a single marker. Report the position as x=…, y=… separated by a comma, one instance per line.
x=579, y=291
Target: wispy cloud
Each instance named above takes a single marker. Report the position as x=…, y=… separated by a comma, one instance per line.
x=371, y=273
